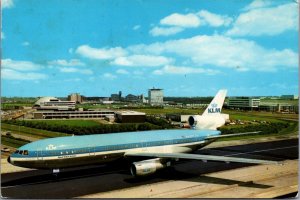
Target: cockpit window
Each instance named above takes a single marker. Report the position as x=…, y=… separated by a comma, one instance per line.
x=25, y=152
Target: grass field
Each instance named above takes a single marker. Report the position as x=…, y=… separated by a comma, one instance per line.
x=31, y=131
x=12, y=142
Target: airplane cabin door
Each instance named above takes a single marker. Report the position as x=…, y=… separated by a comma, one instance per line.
x=39, y=154
x=91, y=150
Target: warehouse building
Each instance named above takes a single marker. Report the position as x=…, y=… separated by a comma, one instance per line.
x=156, y=97
x=73, y=114
x=244, y=103
x=130, y=117
x=284, y=108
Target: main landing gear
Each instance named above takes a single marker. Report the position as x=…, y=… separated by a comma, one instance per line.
x=55, y=172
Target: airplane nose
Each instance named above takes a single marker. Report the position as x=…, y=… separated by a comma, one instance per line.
x=8, y=159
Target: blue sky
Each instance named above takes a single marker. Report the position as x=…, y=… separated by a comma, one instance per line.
x=186, y=47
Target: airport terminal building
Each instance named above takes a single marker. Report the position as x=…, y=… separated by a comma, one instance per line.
x=246, y=103
x=156, y=97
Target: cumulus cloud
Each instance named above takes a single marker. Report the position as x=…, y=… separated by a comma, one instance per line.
x=122, y=71
x=7, y=4
x=165, y=31
x=75, y=70
x=222, y=51
x=136, y=27
x=100, y=54
x=169, y=69
x=176, y=23
x=62, y=62
x=20, y=65
x=21, y=70
x=142, y=60
x=109, y=76
x=258, y=4
x=266, y=21
x=214, y=19
x=11, y=74
x=186, y=21
x=25, y=43
x=15, y=75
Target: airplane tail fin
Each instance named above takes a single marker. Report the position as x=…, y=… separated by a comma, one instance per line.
x=215, y=106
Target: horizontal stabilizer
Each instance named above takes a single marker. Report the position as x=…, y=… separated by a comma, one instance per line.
x=201, y=157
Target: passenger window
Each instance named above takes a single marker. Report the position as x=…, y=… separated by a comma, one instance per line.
x=25, y=152
x=21, y=152
x=16, y=151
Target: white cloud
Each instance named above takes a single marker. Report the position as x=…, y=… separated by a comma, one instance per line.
x=101, y=54
x=142, y=60
x=72, y=80
x=11, y=74
x=258, y=4
x=176, y=23
x=2, y=35
x=72, y=62
x=169, y=69
x=163, y=31
x=122, y=71
x=186, y=21
x=136, y=27
x=20, y=65
x=75, y=70
x=223, y=51
x=138, y=72
x=266, y=21
x=25, y=43
x=109, y=76
x=214, y=19
x=7, y=4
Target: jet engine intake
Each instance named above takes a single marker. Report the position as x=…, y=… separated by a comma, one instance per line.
x=147, y=167
x=206, y=121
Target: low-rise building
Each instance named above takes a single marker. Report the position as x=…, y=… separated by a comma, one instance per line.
x=73, y=114
x=52, y=103
x=130, y=117
x=243, y=103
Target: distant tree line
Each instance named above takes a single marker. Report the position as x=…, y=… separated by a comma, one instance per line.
x=189, y=100
x=264, y=128
x=150, y=124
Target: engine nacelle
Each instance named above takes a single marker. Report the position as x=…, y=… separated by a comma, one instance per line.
x=211, y=122
x=146, y=167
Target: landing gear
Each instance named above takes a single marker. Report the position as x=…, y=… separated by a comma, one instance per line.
x=55, y=173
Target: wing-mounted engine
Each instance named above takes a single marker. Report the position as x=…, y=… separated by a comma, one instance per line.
x=211, y=122
x=147, y=167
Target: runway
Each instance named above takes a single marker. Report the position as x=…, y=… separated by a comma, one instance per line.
x=90, y=180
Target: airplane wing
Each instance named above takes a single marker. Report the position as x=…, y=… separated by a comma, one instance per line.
x=200, y=157
x=231, y=135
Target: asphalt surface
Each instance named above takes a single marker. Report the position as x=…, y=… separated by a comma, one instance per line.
x=70, y=183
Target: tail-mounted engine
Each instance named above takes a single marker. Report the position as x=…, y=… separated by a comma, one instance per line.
x=211, y=122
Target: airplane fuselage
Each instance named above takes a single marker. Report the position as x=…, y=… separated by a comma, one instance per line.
x=72, y=151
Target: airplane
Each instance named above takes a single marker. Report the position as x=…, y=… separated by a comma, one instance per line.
x=150, y=150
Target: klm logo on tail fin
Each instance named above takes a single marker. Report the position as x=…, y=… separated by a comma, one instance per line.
x=214, y=108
